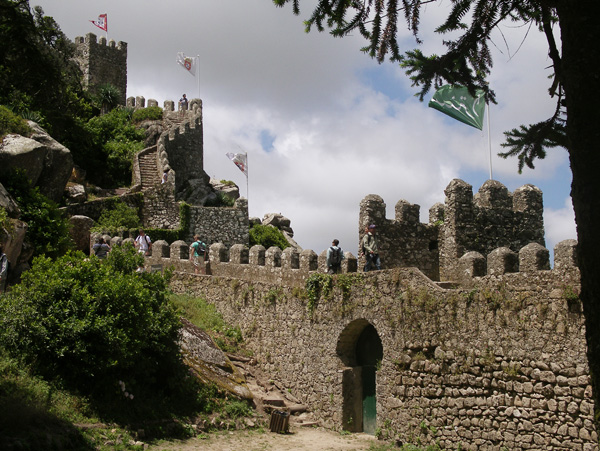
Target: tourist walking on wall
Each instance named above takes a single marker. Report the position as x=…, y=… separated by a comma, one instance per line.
x=3, y=269
x=183, y=105
x=101, y=249
x=143, y=243
x=165, y=176
x=197, y=253
x=370, y=248
x=335, y=255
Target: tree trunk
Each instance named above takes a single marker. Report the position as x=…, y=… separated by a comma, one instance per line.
x=580, y=35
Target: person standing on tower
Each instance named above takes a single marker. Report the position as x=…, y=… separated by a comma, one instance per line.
x=370, y=247
x=183, y=105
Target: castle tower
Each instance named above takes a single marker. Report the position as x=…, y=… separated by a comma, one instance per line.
x=102, y=63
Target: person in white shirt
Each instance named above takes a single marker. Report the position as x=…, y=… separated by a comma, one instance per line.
x=143, y=243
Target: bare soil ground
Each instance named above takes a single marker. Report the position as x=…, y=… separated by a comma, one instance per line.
x=302, y=438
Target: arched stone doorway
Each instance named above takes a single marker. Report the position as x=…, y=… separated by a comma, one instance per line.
x=359, y=347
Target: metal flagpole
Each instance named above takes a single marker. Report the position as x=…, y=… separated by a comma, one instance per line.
x=489, y=140
x=247, y=184
x=198, y=72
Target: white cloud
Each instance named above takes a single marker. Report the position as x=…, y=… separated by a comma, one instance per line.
x=343, y=126
x=559, y=224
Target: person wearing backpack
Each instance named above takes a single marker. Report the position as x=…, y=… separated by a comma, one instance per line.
x=335, y=255
x=4, y=263
x=197, y=252
x=143, y=243
x=101, y=249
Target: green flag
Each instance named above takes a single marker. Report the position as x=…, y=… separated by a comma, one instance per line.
x=456, y=102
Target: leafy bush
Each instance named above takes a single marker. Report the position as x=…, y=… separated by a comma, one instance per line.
x=120, y=216
x=48, y=229
x=267, y=236
x=12, y=123
x=221, y=200
x=94, y=323
x=116, y=140
x=152, y=113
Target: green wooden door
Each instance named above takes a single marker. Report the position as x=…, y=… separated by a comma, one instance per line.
x=369, y=403
x=369, y=353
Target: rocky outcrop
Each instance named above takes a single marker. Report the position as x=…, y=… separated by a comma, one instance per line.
x=209, y=363
x=230, y=190
x=280, y=222
x=8, y=203
x=80, y=232
x=75, y=194
x=47, y=162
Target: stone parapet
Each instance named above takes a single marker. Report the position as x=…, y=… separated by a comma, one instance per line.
x=500, y=364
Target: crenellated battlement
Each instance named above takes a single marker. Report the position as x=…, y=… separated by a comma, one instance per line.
x=102, y=63
x=177, y=146
x=291, y=267
x=492, y=218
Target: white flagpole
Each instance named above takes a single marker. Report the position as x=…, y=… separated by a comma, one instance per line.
x=198, y=73
x=247, y=176
x=489, y=139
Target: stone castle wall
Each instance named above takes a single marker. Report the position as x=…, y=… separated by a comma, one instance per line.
x=227, y=225
x=498, y=364
x=493, y=218
x=102, y=63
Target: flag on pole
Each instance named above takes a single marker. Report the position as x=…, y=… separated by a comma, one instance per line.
x=456, y=102
x=187, y=62
x=102, y=22
x=240, y=160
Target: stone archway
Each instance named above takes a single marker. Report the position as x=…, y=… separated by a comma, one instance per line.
x=360, y=350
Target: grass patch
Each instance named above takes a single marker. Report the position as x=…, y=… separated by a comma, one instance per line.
x=206, y=317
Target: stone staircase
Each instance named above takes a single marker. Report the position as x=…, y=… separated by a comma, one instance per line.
x=149, y=171
x=270, y=396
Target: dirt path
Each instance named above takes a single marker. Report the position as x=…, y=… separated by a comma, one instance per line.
x=305, y=439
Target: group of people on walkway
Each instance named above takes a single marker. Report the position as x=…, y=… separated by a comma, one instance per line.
x=369, y=248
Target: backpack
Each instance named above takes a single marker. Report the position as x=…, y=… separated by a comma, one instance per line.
x=201, y=248
x=336, y=256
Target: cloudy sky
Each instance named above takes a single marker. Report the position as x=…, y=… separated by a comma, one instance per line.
x=322, y=123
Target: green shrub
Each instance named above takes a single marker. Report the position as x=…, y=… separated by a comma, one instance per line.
x=12, y=123
x=267, y=236
x=93, y=323
x=119, y=217
x=47, y=228
x=206, y=317
x=116, y=139
x=222, y=200
x=152, y=113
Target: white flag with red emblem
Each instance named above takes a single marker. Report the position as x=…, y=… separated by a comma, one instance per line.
x=102, y=22
x=187, y=62
x=240, y=160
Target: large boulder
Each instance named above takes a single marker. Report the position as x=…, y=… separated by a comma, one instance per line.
x=79, y=230
x=230, y=190
x=17, y=151
x=8, y=203
x=208, y=363
x=48, y=163
x=58, y=164
x=75, y=194
x=279, y=221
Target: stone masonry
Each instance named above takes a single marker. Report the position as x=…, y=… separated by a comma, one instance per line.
x=101, y=63
x=493, y=218
x=500, y=364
